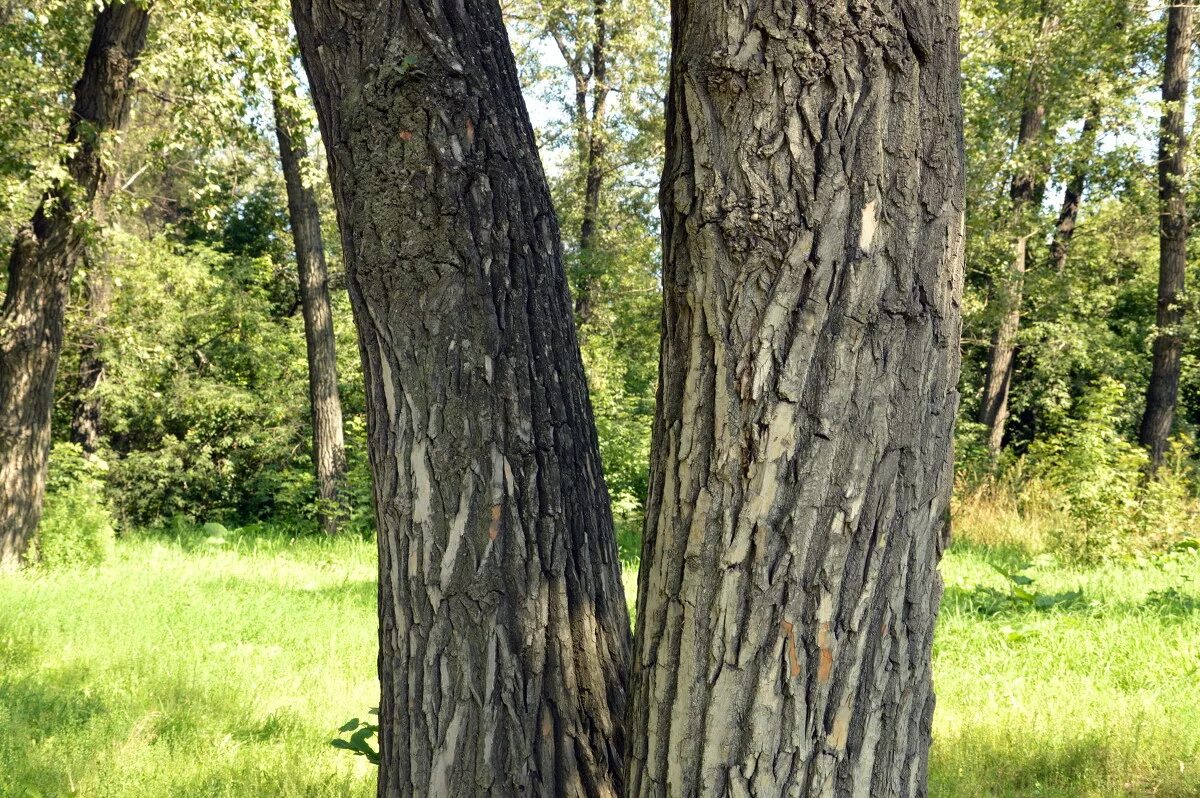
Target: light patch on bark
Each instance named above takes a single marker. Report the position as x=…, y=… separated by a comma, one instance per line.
x=421, y=482
x=870, y=221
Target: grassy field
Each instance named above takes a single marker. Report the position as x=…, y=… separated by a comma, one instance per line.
x=206, y=668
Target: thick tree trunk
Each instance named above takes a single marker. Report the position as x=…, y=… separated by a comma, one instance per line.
x=85, y=412
x=329, y=455
x=1163, y=391
x=594, y=164
x=1028, y=182
x=1068, y=215
x=39, y=276
x=503, y=625
x=812, y=207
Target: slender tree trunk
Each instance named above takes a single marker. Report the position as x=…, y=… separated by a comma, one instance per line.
x=85, y=413
x=1068, y=216
x=812, y=207
x=329, y=455
x=1163, y=391
x=1028, y=183
x=503, y=625
x=43, y=258
x=594, y=170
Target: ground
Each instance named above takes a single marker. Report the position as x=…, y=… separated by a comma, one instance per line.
x=223, y=665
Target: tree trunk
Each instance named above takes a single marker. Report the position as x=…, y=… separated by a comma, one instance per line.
x=594, y=165
x=812, y=206
x=85, y=414
x=1028, y=182
x=1068, y=216
x=1163, y=391
x=39, y=276
x=329, y=455
x=503, y=624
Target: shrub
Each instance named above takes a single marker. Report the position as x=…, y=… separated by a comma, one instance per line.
x=77, y=526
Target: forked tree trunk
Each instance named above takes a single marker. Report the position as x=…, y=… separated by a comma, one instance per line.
x=503, y=625
x=329, y=448
x=1163, y=391
x=812, y=207
x=43, y=258
x=1008, y=290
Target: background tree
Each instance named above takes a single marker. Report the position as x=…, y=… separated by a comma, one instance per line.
x=812, y=207
x=503, y=627
x=1163, y=390
x=305, y=220
x=43, y=258
x=597, y=72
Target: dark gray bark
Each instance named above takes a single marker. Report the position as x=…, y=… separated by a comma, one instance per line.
x=43, y=259
x=812, y=206
x=503, y=624
x=329, y=449
x=1163, y=390
x=1068, y=215
x=1025, y=192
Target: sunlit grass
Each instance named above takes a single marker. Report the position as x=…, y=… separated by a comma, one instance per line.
x=188, y=670
x=193, y=668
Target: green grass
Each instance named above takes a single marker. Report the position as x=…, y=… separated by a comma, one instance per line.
x=192, y=668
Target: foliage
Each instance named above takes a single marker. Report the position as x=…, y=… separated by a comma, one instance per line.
x=77, y=526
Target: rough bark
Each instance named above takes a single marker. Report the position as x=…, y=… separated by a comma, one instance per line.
x=812, y=206
x=1068, y=215
x=1028, y=182
x=85, y=411
x=43, y=258
x=1163, y=390
x=328, y=443
x=594, y=163
x=503, y=625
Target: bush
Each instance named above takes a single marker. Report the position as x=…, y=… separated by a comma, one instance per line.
x=77, y=526
x=1082, y=492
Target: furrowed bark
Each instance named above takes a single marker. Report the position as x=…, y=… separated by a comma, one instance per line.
x=812, y=205
x=43, y=258
x=1163, y=390
x=1008, y=290
x=503, y=625
x=329, y=449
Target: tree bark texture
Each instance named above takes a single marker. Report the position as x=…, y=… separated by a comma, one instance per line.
x=812, y=206
x=40, y=266
x=504, y=633
x=329, y=448
x=1007, y=292
x=1163, y=390
x=86, y=410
